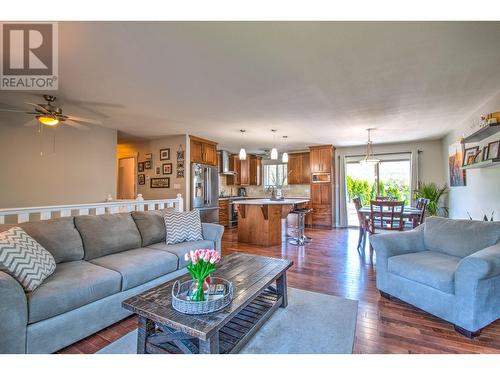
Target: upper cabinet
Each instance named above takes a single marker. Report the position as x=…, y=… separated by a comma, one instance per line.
x=299, y=171
x=255, y=170
x=321, y=159
x=247, y=172
x=203, y=151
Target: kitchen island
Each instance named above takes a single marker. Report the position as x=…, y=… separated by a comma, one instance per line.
x=260, y=221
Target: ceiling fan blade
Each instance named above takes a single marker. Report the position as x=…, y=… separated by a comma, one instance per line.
x=37, y=106
x=31, y=123
x=83, y=119
x=12, y=110
x=75, y=125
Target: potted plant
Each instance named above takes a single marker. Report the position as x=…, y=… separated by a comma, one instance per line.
x=433, y=193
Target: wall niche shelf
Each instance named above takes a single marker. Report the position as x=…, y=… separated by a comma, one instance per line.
x=484, y=164
x=483, y=133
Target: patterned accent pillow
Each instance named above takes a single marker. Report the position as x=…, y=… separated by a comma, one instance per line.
x=182, y=226
x=25, y=259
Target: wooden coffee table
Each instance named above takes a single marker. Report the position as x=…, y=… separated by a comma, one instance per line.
x=259, y=289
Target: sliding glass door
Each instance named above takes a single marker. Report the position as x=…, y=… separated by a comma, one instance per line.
x=391, y=177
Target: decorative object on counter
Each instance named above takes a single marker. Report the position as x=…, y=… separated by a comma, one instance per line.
x=140, y=166
x=167, y=168
x=165, y=154
x=139, y=197
x=433, y=193
x=485, y=217
x=147, y=164
x=494, y=150
x=180, y=162
x=109, y=198
x=277, y=185
x=201, y=263
x=141, y=178
x=284, y=157
x=369, y=157
x=243, y=153
x=148, y=156
x=274, y=150
x=455, y=162
x=469, y=155
x=160, y=182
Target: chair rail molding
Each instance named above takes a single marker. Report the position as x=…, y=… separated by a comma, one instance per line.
x=21, y=215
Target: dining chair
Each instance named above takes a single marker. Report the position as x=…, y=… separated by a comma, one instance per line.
x=385, y=216
x=421, y=204
x=363, y=227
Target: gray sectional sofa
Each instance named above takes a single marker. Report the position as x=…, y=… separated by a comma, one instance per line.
x=101, y=261
x=449, y=268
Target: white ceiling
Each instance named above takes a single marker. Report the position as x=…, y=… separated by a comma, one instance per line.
x=316, y=82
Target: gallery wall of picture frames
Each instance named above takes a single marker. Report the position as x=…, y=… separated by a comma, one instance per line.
x=158, y=170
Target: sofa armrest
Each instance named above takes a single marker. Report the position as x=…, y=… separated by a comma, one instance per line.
x=480, y=265
x=214, y=233
x=13, y=315
x=387, y=245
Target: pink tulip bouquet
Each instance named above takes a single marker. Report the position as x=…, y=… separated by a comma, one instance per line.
x=201, y=263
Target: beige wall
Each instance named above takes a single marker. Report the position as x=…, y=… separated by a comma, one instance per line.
x=82, y=169
x=481, y=194
x=177, y=185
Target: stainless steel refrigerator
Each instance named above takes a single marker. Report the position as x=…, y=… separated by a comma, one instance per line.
x=205, y=191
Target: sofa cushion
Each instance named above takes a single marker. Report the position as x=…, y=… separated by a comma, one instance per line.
x=58, y=236
x=72, y=285
x=107, y=234
x=431, y=268
x=24, y=259
x=180, y=249
x=139, y=266
x=182, y=226
x=459, y=238
x=151, y=225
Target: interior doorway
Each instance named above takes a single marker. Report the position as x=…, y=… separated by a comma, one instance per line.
x=126, y=188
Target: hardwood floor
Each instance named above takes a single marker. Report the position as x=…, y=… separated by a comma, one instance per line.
x=332, y=265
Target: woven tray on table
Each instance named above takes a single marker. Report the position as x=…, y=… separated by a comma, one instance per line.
x=181, y=302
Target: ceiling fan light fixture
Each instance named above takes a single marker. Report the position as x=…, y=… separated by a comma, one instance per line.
x=48, y=120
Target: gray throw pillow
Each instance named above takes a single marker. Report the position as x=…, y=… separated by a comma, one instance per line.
x=182, y=226
x=25, y=259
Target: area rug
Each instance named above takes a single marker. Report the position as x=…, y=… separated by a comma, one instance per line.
x=313, y=323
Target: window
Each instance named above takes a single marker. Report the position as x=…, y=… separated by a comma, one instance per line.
x=275, y=174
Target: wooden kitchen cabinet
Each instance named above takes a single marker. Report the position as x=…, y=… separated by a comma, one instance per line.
x=321, y=194
x=203, y=151
x=248, y=172
x=244, y=171
x=321, y=158
x=224, y=212
x=299, y=171
x=255, y=170
x=234, y=165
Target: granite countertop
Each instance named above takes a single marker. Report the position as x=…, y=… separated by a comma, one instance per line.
x=264, y=201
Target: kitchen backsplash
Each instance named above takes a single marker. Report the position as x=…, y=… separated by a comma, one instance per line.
x=258, y=191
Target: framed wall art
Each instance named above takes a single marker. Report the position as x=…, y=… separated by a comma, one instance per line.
x=147, y=164
x=160, y=182
x=167, y=168
x=165, y=154
x=140, y=166
x=141, y=179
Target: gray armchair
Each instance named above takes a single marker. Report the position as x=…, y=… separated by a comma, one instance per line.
x=449, y=268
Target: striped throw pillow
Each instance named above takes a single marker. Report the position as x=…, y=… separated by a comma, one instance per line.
x=25, y=259
x=182, y=226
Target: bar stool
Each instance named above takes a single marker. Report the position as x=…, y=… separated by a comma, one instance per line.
x=300, y=239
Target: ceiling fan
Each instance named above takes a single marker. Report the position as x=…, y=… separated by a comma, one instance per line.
x=51, y=115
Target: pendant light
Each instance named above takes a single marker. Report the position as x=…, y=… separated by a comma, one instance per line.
x=274, y=151
x=284, y=157
x=369, y=157
x=243, y=154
